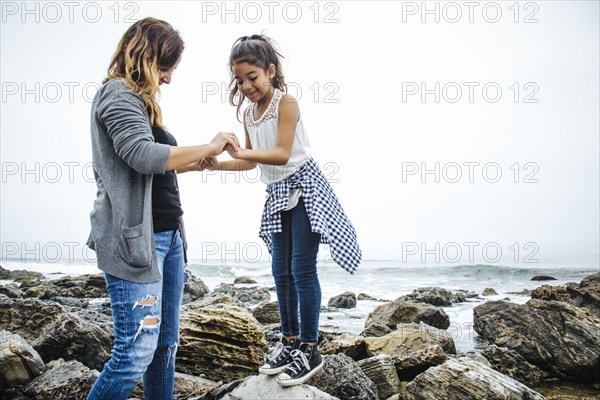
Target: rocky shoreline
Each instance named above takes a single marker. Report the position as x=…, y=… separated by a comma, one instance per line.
x=55, y=335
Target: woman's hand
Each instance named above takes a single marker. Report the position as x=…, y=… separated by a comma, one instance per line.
x=222, y=140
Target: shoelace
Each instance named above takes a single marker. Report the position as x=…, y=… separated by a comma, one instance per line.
x=281, y=352
x=299, y=359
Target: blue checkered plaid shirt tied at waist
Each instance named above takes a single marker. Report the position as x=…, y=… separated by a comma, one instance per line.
x=325, y=213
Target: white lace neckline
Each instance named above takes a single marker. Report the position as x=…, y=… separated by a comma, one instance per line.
x=269, y=114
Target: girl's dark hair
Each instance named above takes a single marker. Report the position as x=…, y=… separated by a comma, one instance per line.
x=149, y=46
x=256, y=50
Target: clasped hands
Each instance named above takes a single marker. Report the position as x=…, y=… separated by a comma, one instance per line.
x=223, y=141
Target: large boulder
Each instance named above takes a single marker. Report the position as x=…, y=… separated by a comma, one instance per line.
x=19, y=362
x=72, y=338
x=381, y=370
x=263, y=387
x=413, y=347
x=552, y=293
x=408, y=339
x=351, y=345
x=185, y=386
x=511, y=363
x=400, y=311
x=466, y=379
x=587, y=293
x=342, y=377
x=11, y=291
x=267, y=312
x=55, y=333
x=218, y=339
x=555, y=336
x=69, y=381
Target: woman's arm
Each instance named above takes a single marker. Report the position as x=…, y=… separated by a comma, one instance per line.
x=185, y=155
x=289, y=113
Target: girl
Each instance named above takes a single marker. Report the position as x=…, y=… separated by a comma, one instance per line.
x=301, y=210
x=137, y=230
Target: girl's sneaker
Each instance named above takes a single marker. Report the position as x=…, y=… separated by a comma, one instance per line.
x=307, y=362
x=281, y=357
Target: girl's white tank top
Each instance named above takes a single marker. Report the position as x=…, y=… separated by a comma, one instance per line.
x=263, y=134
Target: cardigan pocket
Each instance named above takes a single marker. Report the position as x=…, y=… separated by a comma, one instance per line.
x=134, y=246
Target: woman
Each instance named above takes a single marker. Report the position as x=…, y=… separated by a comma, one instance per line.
x=137, y=230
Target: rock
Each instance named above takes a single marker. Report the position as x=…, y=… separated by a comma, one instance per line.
x=72, y=338
x=19, y=362
x=399, y=311
x=564, y=390
x=244, y=280
x=246, y=295
x=476, y=357
x=543, y=278
x=97, y=318
x=262, y=387
x=489, y=292
x=69, y=381
x=524, y=292
x=222, y=341
x=344, y=300
x=71, y=302
x=82, y=286
x=587, y=294
x=42, y=292
x=467, y=294
x=28, y=317
x=376, y=330
x=552, y=293
x=194, y=289
x=409, y=365
x=267, y=312
x=364, y=296
x=54, y=363
x=435, y=296
x=19, y=275
x=343, y=378
x=554, y=336
x=382, y=371
x=11, y=291
x=351, y=345
x=185, y=386
x=463, y=378
x=511, y=363
x=409, y=339
x=54, y=333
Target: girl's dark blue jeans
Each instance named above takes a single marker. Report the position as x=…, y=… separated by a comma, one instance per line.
x=294, y=267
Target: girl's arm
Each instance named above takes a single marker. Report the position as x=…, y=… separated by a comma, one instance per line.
x=289, y=113
x=199, y=166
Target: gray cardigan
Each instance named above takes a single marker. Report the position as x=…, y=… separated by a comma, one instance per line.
x=124, y=157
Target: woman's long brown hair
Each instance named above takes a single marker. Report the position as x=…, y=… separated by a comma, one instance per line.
x=147, y=47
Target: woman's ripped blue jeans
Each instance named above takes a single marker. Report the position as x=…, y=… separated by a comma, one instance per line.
x=146, y=328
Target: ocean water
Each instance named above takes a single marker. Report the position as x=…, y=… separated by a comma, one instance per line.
x=385, y=280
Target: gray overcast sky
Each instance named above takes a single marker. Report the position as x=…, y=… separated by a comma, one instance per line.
x=501, y=98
